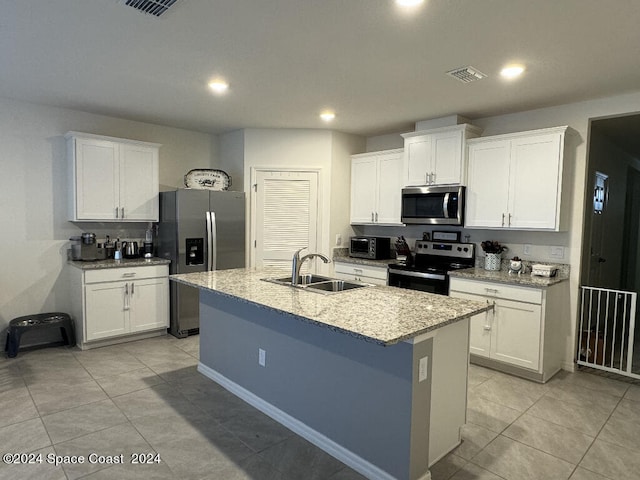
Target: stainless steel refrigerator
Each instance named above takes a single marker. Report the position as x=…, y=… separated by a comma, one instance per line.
x=199, y=230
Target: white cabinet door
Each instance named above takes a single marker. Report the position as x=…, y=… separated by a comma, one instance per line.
x=417, y=164
x=139, y=183
x=106, y=310
x=149, y=304
x=363, y=189
x=112, y=179
x=535, y=181
x=446, y=158
x=480, y=327
x=515, y=181
x=488, y=184
x=516, y=333
x=512, y=332
x=389, y=202
x=97, y=173
x=437, y=156
x=376, y=184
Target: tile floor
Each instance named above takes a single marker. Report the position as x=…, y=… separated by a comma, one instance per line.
x=147, y=397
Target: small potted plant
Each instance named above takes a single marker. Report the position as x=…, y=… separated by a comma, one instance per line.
x=493, y=254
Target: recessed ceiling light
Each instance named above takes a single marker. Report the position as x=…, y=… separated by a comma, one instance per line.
x=218, y=86
x=327, y=115
x=409, y=3
x=512, y=71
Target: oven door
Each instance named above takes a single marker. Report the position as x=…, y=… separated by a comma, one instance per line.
x=425, y=282
x=360, y=247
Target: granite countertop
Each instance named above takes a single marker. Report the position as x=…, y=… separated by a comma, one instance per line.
x=125, y=262
x=380, y=314
x=342, y=255
x=503, y=276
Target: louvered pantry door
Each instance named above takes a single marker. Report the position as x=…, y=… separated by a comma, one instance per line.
x=286, y=216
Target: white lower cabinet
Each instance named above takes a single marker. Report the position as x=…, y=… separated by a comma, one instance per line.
x=361, y=273
x=522, y=331
x=116, y=303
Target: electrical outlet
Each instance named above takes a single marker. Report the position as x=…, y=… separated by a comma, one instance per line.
x=423, y=368
x=338, y=239
x=556, y=252
x=262, y=357
x=527, y=250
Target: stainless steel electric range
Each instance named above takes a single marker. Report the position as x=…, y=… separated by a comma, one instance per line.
x=432, y=262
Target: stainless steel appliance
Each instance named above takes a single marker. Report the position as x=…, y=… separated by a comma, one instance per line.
x=374, y=248
x=443, y=205
x=431, y=265
x=199, y=230
x=84, y=248
x=130, y=249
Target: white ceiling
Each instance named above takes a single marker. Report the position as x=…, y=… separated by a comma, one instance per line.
x=379, y=68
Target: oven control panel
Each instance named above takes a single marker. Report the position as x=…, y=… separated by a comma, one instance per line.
x=445, y=249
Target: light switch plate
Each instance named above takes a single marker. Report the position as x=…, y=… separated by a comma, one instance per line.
x=527, y=250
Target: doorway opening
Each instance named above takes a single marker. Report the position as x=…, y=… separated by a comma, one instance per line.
x=608, y=338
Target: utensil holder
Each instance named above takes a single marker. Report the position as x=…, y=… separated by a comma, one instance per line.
x=492, y=261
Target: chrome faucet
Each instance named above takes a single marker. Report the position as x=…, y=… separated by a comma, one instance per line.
x=296, y=263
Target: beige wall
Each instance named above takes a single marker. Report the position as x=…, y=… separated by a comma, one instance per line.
x=33, y=196
x=327, y=151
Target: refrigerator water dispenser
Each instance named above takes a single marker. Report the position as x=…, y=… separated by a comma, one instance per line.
x=194, y=251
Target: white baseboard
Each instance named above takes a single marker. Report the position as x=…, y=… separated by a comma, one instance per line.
x=334, y=449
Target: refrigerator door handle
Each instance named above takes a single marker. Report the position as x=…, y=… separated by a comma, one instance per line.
x=211, y=241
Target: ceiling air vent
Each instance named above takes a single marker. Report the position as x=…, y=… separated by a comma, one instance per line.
x=466, y=74
x=150, y=7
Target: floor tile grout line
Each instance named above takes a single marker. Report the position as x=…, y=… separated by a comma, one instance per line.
x=575, y=466
x=501, y=434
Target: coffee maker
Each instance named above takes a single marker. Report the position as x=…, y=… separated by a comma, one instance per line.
x=84, y=248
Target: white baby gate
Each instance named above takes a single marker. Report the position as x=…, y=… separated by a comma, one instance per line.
x=607, y=330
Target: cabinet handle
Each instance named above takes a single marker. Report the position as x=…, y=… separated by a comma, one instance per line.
x=509, y=219
x=129, y=275
x=132, y=288
x=371, y=217
x=357, y=271
x=117, y=212
x=491, y=290
x=376, y=217
x=126, y=296
x=487, y=324
x=503, y=219
x=122, y=212
x=433, y=178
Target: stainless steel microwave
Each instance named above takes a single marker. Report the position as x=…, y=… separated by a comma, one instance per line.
x=427, y=205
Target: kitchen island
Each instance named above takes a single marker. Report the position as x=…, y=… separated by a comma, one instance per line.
x=375, y=376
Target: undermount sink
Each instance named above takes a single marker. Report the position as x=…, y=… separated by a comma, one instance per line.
x=317, y=283
x=304, y=279
x=335, y=286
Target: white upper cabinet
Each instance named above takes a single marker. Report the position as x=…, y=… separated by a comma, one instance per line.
x=112, y=179
x=438, y=156
x=376, y=183
x=515, y=181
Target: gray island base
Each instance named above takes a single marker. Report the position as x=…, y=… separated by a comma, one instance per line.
x=389, y=406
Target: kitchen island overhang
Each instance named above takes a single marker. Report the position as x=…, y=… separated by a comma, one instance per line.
x=342, y=370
